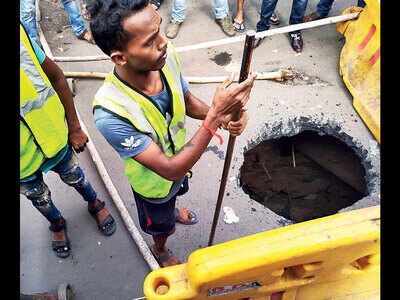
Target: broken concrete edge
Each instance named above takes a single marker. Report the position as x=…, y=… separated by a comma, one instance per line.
x=368, y=153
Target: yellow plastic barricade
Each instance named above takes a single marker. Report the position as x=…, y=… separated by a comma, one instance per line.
x=335, y=257
x=360, y=63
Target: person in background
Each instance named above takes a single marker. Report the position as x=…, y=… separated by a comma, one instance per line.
x=50, y=132
x=221, y=12
x=28, y=19
x=296, y=17
x=238, y=18
x=323, y=8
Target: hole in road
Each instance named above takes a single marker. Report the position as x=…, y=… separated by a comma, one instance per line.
x=303, y=177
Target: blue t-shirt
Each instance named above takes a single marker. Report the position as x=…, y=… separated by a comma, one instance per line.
x=38, y=51
x=51, y=162
x=126, y=139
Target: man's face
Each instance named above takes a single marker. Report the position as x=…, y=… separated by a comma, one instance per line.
x=147, y=49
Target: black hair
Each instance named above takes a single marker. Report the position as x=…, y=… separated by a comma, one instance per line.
x=106, y=17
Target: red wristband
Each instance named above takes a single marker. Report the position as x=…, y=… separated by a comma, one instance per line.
x=213, y=132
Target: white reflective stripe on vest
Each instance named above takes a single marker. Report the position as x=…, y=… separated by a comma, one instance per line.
x=131, y=107
x=44, y=91
x=176, y=74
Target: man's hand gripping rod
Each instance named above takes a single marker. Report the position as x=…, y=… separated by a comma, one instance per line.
x=244, y=73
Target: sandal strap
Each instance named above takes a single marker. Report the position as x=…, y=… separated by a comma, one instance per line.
x=94, y=210
x=165, y=257
x=59, y=244
x=54, y=227
x=107, y=221
x=106, y=227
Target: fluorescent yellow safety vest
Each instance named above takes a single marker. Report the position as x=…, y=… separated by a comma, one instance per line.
x=43, y=132
x=169, y=132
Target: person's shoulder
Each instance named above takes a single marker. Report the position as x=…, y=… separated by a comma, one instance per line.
x=104, y=89
x=111, y=126
x=109, y=90
x=101, y=115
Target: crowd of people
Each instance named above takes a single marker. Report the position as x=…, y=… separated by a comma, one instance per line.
x=229, y=23
x=140, y=110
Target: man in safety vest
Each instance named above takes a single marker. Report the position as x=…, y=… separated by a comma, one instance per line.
x=141, y=108
x=49, y=134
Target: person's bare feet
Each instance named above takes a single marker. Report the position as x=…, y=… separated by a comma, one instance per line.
x=238, y=24
x=87, y=36
x=185, y=215
x=171, y=261
x=59, y=236
x=311, y=17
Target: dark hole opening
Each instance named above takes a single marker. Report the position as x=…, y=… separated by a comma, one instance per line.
x=303, y=177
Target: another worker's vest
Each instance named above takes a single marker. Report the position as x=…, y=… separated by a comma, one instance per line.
x=42, y=115
x=136, y=108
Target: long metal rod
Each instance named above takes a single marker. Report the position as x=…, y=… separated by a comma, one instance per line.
x=244, y=73
x=241, y=38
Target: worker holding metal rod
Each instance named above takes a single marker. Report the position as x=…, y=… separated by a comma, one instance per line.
x=141, y=109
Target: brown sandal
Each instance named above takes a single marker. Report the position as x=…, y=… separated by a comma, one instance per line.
x=163, y=258
x=87, y=36
x=311, y=17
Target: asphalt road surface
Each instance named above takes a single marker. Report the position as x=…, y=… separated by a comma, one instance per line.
x=105, y=268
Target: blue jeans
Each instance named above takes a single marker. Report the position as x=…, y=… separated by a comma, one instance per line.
x=178, y=9
x=28, y=17
x=324, y=6
x=268, y=7
x=70, y=173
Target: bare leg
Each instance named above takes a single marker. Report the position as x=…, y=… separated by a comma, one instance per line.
x=239, y=12
x=160, y=249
